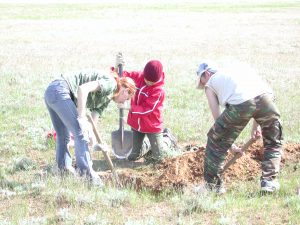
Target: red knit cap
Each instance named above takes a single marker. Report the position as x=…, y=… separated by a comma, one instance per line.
x=153, y=71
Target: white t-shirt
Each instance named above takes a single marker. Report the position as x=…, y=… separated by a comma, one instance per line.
x=237, y=87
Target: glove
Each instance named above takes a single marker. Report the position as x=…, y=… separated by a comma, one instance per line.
x=86, y=129
x=119, y=60
x=101, y=147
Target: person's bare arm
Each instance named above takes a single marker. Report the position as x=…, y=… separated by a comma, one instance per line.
x=256, y=130
x=215, y=109
x=95, y=116
x=82, y=93
x=213, y=103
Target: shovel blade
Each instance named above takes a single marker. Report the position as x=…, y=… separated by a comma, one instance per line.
x=119, y=149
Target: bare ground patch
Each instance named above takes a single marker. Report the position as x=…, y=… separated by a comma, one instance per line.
x=187, y=169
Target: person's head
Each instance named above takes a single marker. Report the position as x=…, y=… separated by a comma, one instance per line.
x=153, y=72
x=125, y=89
x=204, y=72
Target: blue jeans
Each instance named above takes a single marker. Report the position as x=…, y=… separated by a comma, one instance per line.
x=63, y=113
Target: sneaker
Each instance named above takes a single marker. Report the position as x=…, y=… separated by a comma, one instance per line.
x=221, y=190
x=97, y=182
x=167, y=133
x=71, y=171
x=269, y=185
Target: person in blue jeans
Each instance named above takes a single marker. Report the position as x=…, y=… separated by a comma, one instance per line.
x=67, y=99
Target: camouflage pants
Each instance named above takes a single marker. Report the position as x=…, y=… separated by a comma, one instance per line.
x=230, y=124
x=156, y=145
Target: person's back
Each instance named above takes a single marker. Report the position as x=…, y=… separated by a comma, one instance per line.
x=237, y=85
x=96, y=101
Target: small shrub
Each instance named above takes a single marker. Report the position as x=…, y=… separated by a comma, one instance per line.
x=93, y=219
x=50, y=143
x=20, y=164
x=7, y=194
x=150, y=221
x=2, y=173
x=84, y=199
x=65, y=197
x=64, y=216
x=116, y=198
x=5, y=222
x=195, y=203
x=33, y=221
x=37, y=188
x=224, y=220
x=11, y=185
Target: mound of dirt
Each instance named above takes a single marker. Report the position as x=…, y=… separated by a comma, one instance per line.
x=187, y=169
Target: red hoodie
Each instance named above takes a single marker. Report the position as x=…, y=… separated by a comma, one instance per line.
x=145, y=114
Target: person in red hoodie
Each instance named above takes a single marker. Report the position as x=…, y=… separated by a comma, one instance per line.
x=145, y=113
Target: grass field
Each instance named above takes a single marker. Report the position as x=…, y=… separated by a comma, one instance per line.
x=41, y=41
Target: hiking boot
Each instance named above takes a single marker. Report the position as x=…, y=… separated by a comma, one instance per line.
x=269, y=185
x=167, y=133
x=150, y=158
x=148, y=155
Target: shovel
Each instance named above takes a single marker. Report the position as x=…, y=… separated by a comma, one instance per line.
x=238, y=155
x=121, y=139
x=105, y=153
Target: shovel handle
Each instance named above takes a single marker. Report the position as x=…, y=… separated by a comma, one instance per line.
x=238, y=155
x=120, y=70
x=97, y=135
x=106, y=156
x=121, y=111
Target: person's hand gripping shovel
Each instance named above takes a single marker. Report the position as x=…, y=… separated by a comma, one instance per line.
x=121, y=139
x=102, y=147
x=239, y=153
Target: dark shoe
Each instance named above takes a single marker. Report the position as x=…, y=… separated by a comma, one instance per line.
x=167, y=133
x=269, y=185
x=132, y=157
x=150, y=158
x=148, y=155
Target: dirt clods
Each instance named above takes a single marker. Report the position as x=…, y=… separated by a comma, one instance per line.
x=187, y=169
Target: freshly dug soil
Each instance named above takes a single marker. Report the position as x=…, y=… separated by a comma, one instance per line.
x=187, y=169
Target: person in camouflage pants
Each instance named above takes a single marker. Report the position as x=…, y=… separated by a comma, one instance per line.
x=239, y=109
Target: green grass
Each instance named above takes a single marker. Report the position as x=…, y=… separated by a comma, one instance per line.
x=40, y=41
x=71, y=201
